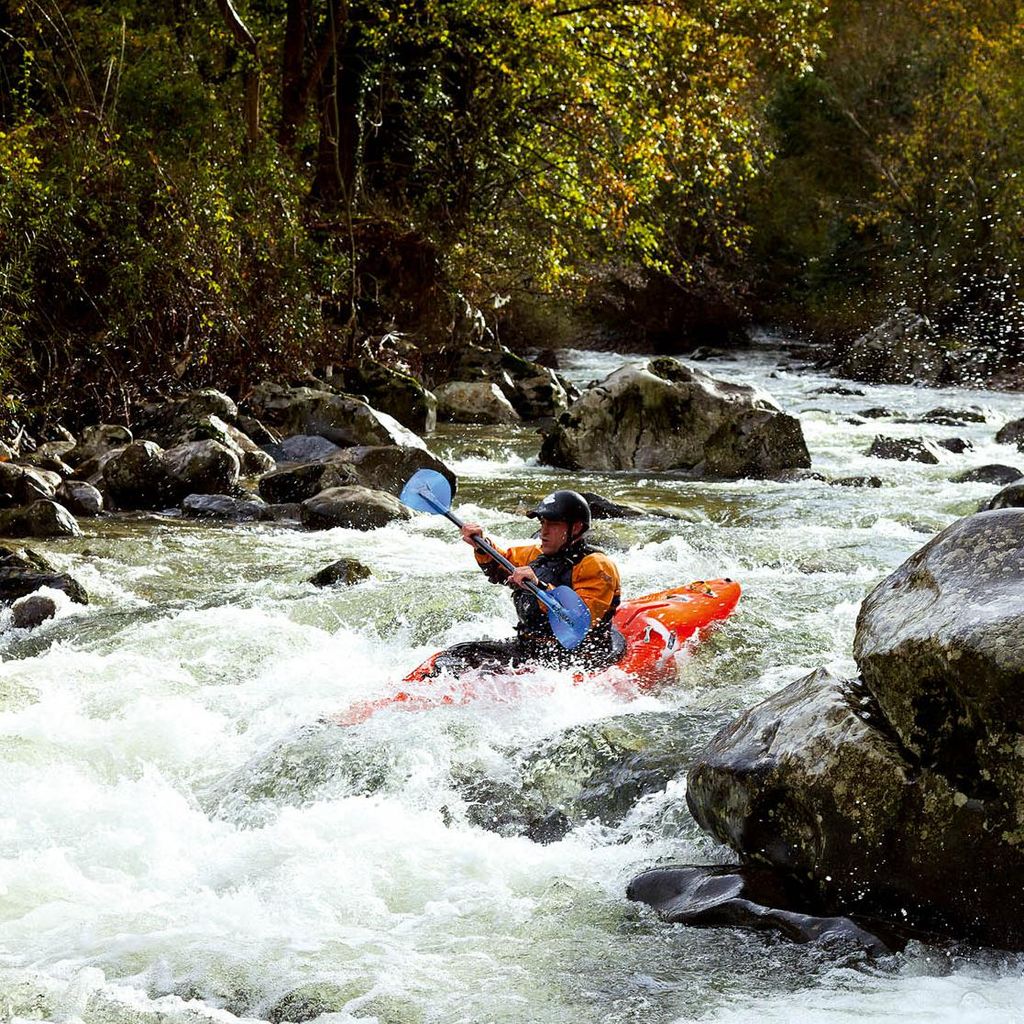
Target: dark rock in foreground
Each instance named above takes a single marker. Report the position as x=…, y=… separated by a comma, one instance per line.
x=992, y=474
x=709, y=896
x=40, y=519
x=23, y=572
x=343, y=572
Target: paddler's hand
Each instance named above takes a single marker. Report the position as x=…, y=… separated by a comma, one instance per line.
x=471, y=530
x=524, y=574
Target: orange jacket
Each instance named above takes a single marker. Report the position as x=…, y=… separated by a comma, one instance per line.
x=595, y=577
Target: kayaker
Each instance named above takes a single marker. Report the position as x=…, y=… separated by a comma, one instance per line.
x=560, y=557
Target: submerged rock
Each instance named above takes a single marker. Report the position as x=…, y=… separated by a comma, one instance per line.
x=991, y=474
x=34, y=610
x=665, y=416
x=710, y=896
x=344, y=572
x=905, y=449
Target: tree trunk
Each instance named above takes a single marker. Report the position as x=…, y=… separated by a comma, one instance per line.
x=247, y=41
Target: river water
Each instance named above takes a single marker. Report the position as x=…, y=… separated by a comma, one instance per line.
x=183, y=840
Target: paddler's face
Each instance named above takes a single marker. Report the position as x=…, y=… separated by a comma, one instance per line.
x=553, y=535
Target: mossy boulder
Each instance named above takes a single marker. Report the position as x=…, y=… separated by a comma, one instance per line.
x=664, y=416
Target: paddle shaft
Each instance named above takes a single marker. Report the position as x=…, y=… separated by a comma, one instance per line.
x=489, y=549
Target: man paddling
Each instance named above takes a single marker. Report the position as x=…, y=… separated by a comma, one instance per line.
x=561, y=558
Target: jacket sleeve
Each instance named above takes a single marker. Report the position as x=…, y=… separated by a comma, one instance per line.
x=596, y=580
x=521, y=554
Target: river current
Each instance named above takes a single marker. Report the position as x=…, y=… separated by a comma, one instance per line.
x=183, y=840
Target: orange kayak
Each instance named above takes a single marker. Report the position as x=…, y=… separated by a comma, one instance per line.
x=655, y=628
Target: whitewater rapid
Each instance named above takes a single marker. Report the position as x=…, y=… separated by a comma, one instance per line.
x=182, y=839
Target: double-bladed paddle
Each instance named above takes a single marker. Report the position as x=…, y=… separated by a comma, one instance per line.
x=428, y=491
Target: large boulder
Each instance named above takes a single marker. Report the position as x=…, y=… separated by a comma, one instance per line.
x=340, y=418
x=379, y=467
x=20, y=484
x=202, y=467
x=251, y=458
x=24, y=572
x=905, y=349
x=171, y=422
x=940, y=644
x=137, y=477
x=813, y=783
x=43, y=518
x=474, y=402
x=80, y=498
x=396, y=393
x=357, y=508
x=902, y=793
x=664, y=416
x=98, y=440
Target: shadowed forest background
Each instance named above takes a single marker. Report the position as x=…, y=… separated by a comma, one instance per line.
x=197, y=193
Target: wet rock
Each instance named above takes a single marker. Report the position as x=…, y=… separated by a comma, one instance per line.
x=20, y=484
x=991, y=474
x=297, y=483
x=388, y=467
x=856, y=481
x=251, y=458
x=80, y=498
x=34, y=610
x=604, y=508
x=712, y=896
x=98, y=440
x=225, y=507
x=905, y=449
x=797, y=476
x=905, y=349
x=173, y=422
x=1011, y=496
x=956, y=445
x=838, y=389
x=288, y=512
x=540, y=397
x=137, y=477
x=1012, y=433
x=303, y=448
x=353, y=507
x=42, y=518
x=343, y=572
x=947, y=417
x=398, y=394
x=201, y=467
x=474, y=402
x=310, y=1001
x=665, y=416
x=877, y=412
x=24, y=572
x=815, y=783
x=340, y=418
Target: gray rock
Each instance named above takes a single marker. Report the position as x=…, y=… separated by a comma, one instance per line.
x=1011, y=496
x=728, y=895
x=34, y=610
x=956, y=445
x=357, y=508
x=905, y=349
x=314, y=1000
x=905, y=449
x=991, y=474
x=297, y=483
x=202, y=467
x=340, y=418
x=98, y=440
x=251, y=458
x=954, y=417
x=664, y=416
x=137, y=477
x=814, y=783
x=1012, y=433
x=474, y=402
x=343, y=572
x=388, y=467
x=20, y=484
x=42, y=518
x=303, y=448
x=223, y=506
x=80, y=498
x=856, y=481
x=396, y=393
x=877, y=412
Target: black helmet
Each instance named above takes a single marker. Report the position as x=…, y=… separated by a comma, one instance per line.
x=563, y=506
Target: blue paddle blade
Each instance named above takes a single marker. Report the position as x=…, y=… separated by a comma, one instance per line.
x=427, y=491
x=568, y=615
